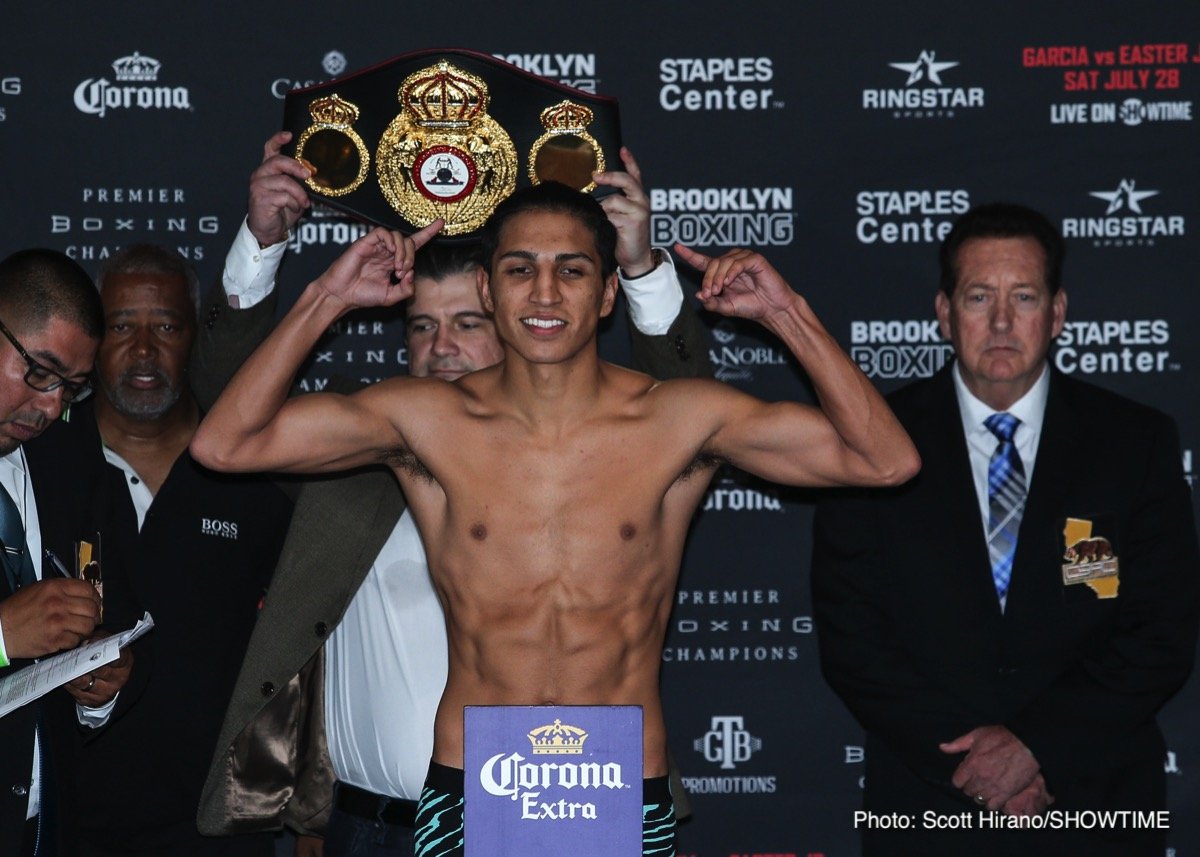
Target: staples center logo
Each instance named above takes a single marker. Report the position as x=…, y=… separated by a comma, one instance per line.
x=1124, y=223
x=333, y=64
x=1115, y=347
x=912, y=216
x=694, y=84
x=575, y=70
x=96, y=96
x=923, y=94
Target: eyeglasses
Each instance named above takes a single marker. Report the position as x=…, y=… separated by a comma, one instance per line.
x=44, y=379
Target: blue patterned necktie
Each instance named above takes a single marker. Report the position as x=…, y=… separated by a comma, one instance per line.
x=1006, y=499
x=17, y=564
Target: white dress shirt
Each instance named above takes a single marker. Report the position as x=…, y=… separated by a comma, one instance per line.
x=14, y=478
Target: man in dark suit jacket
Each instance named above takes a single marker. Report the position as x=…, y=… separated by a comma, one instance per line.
x=1004, y=686
x=272, y=765
x=51, y=322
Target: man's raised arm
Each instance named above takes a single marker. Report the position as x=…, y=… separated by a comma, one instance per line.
x=853, y=439
x=254, y=427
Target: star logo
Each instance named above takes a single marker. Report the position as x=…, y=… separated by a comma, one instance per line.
x=925, y=68
x=1126, y=194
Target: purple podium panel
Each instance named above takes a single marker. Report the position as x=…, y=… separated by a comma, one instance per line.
x=550, y=780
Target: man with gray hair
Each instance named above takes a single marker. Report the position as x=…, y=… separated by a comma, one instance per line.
x=193, y=548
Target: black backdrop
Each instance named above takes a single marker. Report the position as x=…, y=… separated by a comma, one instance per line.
x=839, y=137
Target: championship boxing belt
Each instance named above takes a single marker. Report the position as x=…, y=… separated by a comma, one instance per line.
x=445, y=133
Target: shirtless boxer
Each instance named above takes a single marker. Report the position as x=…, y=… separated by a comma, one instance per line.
x=553, y=491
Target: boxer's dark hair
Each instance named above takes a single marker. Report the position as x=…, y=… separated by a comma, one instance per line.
x=558, y=198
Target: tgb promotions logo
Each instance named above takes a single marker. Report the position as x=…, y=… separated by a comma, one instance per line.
x=696, y=84
x=728, y=744
x=896, y=348
x=136, y=86
x=924, y=95
x=575, y=70
x=722, y=216
x=1124, y=222
x=332, y=64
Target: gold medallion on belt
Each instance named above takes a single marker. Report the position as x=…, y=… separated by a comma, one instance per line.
x=443, y=155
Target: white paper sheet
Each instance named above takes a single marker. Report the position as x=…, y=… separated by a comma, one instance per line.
x=36, y=680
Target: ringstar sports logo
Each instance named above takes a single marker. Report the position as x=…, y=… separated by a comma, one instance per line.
x=925, y=68
x=137, y=86
x=333, y=64
x=924, y=96
x=1124, y=223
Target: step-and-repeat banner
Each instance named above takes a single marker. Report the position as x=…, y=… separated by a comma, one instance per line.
x=840, y=138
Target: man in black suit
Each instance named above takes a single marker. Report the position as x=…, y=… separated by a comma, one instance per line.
x=1006, y=664
x=51, y=324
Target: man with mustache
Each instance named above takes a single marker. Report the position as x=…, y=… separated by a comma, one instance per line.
x=193, y=548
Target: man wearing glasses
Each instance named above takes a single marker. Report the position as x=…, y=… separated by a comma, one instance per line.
x=51, y=322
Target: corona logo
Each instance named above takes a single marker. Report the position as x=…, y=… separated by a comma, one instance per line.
x=557, y=738
x=134, y=73
x=135, y=68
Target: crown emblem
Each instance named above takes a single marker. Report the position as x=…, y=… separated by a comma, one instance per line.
x=136, y=67
x=566, y=117
x=557, y=738
x=333, y=110
x=444, y=96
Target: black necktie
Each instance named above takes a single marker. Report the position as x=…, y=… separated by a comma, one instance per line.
x=17, y=563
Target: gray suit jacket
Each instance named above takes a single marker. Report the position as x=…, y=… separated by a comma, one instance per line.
x=271, y=766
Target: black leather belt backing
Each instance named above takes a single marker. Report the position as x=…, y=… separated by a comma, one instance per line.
x=446, y=133
x=364, y=804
